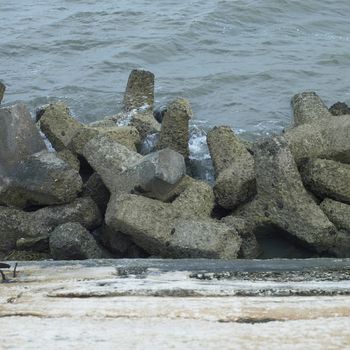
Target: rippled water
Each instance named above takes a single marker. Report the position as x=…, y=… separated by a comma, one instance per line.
x=238, y=61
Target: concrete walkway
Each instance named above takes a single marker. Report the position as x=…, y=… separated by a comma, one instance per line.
x=177, y=304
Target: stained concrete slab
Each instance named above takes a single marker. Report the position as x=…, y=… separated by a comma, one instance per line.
x=177, y=304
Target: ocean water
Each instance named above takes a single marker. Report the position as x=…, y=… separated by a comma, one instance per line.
x=239, y=62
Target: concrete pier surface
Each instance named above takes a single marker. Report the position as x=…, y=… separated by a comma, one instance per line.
x=176, y=304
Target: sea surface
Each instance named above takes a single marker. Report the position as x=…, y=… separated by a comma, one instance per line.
x=239, y=62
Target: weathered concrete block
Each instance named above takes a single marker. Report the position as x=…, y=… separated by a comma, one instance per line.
x=16, y=224
x=174, y=132
x=125, y=135
x=124, y=171
x=109, y=158
x=325, y=138
x=195, y=199
x=145, y=124
x=308, y=108
x=157, y=173
x=83, y=210
x=341, y=248
x=201, y=238
x=284, y=198
x=234, y=168
x=236, y=185
x=41, y=179
x=250, y=248
x=58, y=125
x=327, y=178
x=139, y=92
x=71, y=241
x=19, y=137
x=164, y=230
x=338, y=213
x=225, y=148
x=70, y=158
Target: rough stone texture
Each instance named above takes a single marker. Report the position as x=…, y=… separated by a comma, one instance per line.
x=250, y=248
x=120, y=244
x=58, y=125
x=325, y=138
x=41, y=179
x=2, y=91
x=254, y=214
x=83, y=210
x=96, y=189
x=338, y=213
x=197, y=199
x=234, y=168
x=71, y=241
x=155, y=175
x=108, y=158
x=308, y=107
x=175, y=130
x=236, y=185
x=180, y=187
x=201, y=238
x=125, y=135
x=70, y=158
x=339, y=108
x=327, y=178
x=124, y=171
x=18, y=135
x=35, y=244
x=341, y=248
x=189, y=185
x=165, y=231
x=145, y=124
x=16, y=224
x=282, y=201
x=139, y=92
x=224, y=147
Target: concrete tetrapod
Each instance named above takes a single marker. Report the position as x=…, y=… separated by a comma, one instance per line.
x=125, y=171
x=163, y=229
x=19, y=137
x=16, y=224
x=174, y=132
x=327, y=178
x=281, y=190
x=41, y=179
x=71, y=241
x=139, y=92
x=234, y=168
x=324, y=138
x=282, y=200
x=58, y=125
x=125, y=135
x=308, y=107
